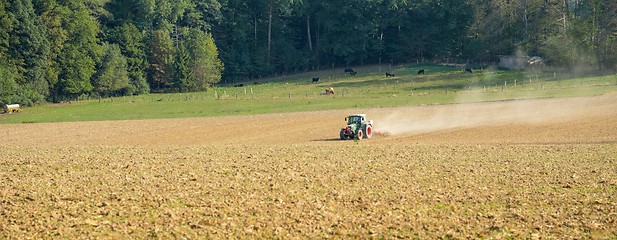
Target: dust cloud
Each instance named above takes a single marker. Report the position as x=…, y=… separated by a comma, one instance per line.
x=433, y=118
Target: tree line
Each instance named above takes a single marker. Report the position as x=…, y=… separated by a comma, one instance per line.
x=55, y=50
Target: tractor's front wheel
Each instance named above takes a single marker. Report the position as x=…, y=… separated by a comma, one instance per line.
x=360, y=135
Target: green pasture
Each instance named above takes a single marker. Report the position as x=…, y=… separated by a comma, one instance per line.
x=296, y=92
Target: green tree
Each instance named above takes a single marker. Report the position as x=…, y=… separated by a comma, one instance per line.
x=168, y=12
x=112, y=75
x=207, y=68
x=161, y=59
x=183, y=79
x=307, y=15
x=80, y=52
x=29, y=47
x=448, y=24
x=137, y=12
x=602, y=24
x=580, y=34
x=131, y=42
x=203, y=14
x=196, y=65
x=52, y=15
x=8, y=86
x=236, y=37
x=6, y=27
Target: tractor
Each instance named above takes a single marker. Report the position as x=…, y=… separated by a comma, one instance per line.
x=357, y=127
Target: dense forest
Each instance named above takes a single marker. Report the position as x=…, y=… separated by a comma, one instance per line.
x=56, y=50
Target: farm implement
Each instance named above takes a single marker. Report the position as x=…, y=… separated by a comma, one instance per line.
x=11, y=108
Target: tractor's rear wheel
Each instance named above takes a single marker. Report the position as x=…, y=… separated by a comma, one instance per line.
x=342, y=133
x=368, y=131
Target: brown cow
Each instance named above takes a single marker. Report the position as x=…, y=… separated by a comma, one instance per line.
x=329, y=90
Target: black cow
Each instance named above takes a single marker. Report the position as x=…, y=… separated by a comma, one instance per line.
x=468, y=70
x=421, y=71
x=350, y=71
x=239, y=85
x=315, y=80
x=389, y=74
x=255, y=83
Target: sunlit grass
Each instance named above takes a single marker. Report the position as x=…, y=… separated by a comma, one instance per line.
x=293, y=93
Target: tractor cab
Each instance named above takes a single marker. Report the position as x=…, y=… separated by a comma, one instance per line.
x=354, y=119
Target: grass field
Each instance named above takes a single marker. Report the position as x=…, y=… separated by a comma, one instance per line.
x=369, y=89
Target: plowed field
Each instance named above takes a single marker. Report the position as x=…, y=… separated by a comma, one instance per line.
x=525, y=169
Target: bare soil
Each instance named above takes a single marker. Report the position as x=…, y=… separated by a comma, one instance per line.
x=570, y=120
x=525, y=169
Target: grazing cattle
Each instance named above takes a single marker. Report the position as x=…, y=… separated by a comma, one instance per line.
x=329, y=90
x=468, y=70
x=421, y=71
x=389, y=74
x=315, y=80
x=255, y=83
x=350, y=71
x=239, y=85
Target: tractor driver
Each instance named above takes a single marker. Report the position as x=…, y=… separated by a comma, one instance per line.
x=355, y=119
